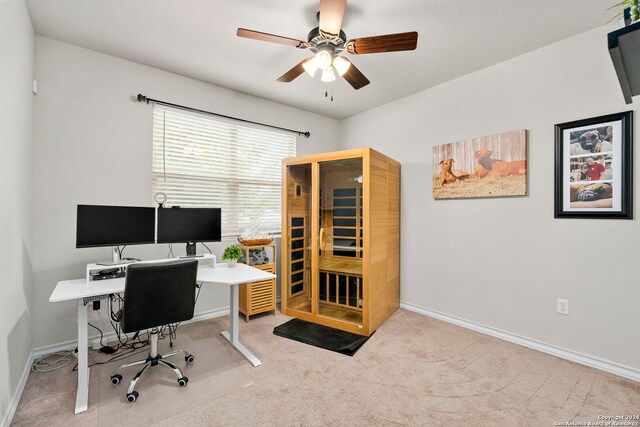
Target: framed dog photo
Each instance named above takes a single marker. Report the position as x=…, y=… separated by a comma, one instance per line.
x=489, y=166
x=594, y=161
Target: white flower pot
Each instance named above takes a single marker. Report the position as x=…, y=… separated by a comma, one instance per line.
x=232, y=262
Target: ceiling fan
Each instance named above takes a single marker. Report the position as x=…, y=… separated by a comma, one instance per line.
x=328, y=41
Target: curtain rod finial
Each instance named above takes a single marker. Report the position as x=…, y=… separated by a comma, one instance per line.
x=142, y=98
x=307, y=134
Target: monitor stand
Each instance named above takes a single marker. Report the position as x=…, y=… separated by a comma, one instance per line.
x=115, y=258
x=191, y=251
x=191, y=248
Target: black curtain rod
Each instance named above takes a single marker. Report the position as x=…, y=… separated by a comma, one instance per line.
x=142, y=98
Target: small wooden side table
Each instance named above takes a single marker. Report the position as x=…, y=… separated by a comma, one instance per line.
x=258, y=297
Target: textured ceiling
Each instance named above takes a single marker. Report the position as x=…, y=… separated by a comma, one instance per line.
x=197, y=38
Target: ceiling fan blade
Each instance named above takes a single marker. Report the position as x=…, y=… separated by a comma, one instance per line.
x=294, y=72
x=387, y=43
x=331, y=13
x=266, y=37
x=354, y=77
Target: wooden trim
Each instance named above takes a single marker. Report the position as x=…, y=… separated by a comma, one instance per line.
x=315, y=206
x=284, y=239
x=366, y=237
x=325, y=157
x=328, y=321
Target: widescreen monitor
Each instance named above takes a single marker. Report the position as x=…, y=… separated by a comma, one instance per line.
x=189, y=225
x=114, y=226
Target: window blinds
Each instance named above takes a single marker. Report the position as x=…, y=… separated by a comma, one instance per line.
x=203, y=161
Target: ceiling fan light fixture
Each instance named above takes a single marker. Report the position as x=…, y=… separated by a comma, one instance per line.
x=341, y=65
x=323, y=59
x=310, y=66
x=328, y=75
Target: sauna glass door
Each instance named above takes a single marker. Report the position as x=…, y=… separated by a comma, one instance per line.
x=340, y=240
x=298, y=243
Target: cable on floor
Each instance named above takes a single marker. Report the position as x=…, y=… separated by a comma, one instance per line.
x=52, y=362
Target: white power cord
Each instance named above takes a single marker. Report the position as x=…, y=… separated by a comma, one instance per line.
x=52, y=362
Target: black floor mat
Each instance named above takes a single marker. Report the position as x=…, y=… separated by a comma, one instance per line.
x=321, y=336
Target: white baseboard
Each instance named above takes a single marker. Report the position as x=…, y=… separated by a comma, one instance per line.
x=6, y=421
x=573, y=356
x=210, y=314
x=54, y=348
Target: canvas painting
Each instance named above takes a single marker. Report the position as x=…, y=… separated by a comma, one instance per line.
x=490, y=166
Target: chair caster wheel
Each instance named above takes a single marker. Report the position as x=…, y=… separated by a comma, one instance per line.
x=115, y=379
x=189, y=359
x=133, y=396
x=182, y=382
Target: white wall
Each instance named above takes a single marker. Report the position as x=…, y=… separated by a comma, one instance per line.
x=92, y=145
x=503, y=262
x=16, y=115
x=496, y=262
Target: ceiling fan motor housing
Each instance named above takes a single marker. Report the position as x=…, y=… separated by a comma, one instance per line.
x=315, y=40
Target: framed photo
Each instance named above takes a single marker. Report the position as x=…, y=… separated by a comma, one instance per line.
x=594, y=162
x=489, y=166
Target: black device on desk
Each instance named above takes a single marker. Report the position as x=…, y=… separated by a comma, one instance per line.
x=109, y=273
x=189, y=225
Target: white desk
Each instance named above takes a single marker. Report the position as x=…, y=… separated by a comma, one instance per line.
x=80, y=290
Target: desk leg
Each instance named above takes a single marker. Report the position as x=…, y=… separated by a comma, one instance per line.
x=234, y=322
x=82, y=394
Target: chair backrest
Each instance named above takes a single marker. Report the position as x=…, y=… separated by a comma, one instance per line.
x=157, y=294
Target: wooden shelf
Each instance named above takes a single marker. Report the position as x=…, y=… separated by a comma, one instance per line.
x=334, y=265
x=624, y=48
x=258, y=297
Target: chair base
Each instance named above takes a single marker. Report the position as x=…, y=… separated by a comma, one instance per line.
x=152, y=360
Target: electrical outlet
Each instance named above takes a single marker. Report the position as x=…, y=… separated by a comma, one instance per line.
x=562, y=306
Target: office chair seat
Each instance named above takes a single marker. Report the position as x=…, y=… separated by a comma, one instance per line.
x=155, y=295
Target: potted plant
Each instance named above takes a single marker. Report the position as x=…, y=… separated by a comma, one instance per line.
x=232, y=254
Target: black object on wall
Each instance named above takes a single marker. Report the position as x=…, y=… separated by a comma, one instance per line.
x=624, y=48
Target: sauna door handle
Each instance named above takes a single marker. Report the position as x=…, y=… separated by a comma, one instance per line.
x=322, y=238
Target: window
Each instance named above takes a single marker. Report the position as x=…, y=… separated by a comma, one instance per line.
x=205, y=161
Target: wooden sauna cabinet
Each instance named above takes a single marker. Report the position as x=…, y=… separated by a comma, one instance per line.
x=341, y=239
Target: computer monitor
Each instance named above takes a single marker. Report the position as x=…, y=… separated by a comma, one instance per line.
x=189, y=225
x=114, y=226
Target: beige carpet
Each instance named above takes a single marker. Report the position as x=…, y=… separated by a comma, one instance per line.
x=413, y=371
x=213, y=374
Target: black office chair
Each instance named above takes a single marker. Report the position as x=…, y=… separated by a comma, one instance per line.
x=157, y=294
